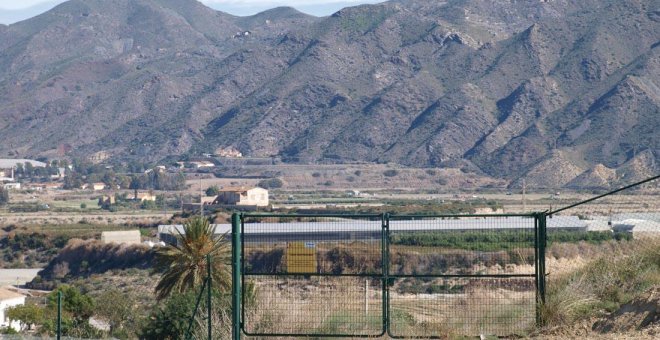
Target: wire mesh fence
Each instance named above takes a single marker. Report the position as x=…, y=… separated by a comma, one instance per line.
x=461, y=307
x=456, y=275
x=313, y=275
x=609, y=255
x=407, y=276
x=319, y=305
x=630, y=212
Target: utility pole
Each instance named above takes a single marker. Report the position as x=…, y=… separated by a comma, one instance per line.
x=201, y=201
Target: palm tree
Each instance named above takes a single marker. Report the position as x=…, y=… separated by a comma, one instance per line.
x=183, y=266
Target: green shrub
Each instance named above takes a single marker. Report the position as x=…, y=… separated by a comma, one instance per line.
x=271, y=183
x=4, y=196
x=390, y=173
x=7, y=330
x=212, y=191
x=500, y=240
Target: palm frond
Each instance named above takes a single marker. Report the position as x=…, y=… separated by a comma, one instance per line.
x=183, y=266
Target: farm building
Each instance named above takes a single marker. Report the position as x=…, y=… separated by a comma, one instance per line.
x=121, y=237
x=638, y=228
x=366, y=230
x=144, y=196
x=242, y=196
x=8, y=163
x=8, y=299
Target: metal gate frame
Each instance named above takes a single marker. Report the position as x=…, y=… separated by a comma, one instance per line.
x=386, y=279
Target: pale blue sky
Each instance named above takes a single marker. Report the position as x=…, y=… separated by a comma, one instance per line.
x=16, y=10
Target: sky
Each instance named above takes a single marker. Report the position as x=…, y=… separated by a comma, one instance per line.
x=16, y=10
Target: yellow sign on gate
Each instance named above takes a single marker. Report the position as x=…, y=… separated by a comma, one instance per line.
x=301, y=257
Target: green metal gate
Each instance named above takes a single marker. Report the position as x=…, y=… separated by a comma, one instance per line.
x=372, y=275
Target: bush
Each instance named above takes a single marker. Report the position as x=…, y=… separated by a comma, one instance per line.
x=270, y=183
x=501, y=240
x=316, y=175
x=212, y=191
x=148, y=205
x=93, y=256
x=83, y=205
x=7, y=330
x=390, y=173
x=4, y=196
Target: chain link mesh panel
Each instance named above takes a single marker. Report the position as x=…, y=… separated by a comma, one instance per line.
x=462, y=275
x=313, y=275
x=325, y=275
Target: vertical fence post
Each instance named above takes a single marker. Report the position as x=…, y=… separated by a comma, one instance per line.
x=537, y=276
x=542, y=244
x=59, y=314
x=192, y=317
x=385, y=270
x=208, y=295
x=236, y=276
x=366, y=299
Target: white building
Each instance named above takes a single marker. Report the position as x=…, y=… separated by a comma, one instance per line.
x=121, y=237
x=8, y=299
x=12, y=186
x=638, y=228
x=242, y=196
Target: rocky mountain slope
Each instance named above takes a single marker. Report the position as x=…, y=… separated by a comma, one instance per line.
x=563, y=93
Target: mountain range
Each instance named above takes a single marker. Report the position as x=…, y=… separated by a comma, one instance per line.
x=561, y=93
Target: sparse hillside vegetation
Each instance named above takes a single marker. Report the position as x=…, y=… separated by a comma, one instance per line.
x=509, y=90
x=84, y=258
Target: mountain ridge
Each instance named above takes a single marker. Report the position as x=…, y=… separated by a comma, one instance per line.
x=495, y=87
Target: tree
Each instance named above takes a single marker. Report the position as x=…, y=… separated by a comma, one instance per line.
x=27, y=315
x=4, y=196
x=212, y=191
x=20, y=170
x=271, y=183
x=114, y=307
x=29, y=169
x=170, y=320
x=160, y=201
x=183, y=266
x=135, y=185
x=80, y=306
x=72, y=180
x=77, y=308
x=148, y=205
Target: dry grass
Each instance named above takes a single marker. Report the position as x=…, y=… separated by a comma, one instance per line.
x=603, y=284
x=337, y=306
x=315, y=305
